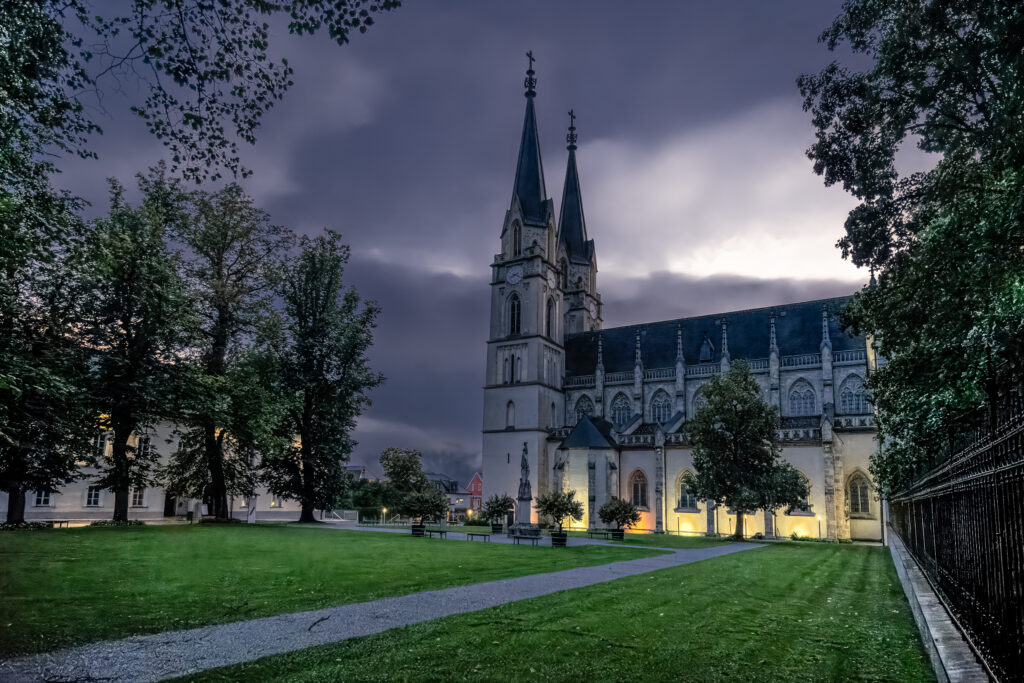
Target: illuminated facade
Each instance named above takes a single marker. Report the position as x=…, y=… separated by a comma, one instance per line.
x=603, y=411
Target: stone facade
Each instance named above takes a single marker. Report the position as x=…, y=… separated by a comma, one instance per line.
x=603, y=411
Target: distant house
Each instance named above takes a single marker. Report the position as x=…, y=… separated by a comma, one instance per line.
x=358, y=472
x=475, y=489
x=458, y=500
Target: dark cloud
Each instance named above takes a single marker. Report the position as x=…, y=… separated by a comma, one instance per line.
x=405, y=140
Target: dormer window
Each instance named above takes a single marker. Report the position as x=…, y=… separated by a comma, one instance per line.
x=707, y=350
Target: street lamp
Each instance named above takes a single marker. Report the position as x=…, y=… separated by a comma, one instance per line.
x=819, y=527
x=384, y=515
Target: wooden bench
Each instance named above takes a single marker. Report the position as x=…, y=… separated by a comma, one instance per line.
x=603, y=533
x=470, y=536
x=59, y=523
x=533, y=539
x=440, y=532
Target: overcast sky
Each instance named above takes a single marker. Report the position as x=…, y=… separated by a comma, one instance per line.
x=691, y=156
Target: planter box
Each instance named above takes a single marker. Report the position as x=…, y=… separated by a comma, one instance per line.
x=558, y=539
x=495, y=528
x=618, y=534
x=419, y=530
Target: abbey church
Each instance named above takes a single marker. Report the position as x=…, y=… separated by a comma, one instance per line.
x=603, y=411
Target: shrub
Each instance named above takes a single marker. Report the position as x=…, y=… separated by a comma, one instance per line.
x=620, y=512
x=558, y=505
x=110, y=522
x=24, y=525
x=496, y=508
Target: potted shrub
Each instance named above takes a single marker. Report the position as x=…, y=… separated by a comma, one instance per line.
x=427, y=504
x=495, y=510
x=558, y=506
x=622, y=513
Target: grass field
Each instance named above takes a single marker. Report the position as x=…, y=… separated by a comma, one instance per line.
x=778, y=613
x=71, y=586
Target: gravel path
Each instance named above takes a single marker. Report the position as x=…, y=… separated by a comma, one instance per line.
x=177, y=653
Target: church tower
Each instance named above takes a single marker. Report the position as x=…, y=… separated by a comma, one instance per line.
x=523, y=396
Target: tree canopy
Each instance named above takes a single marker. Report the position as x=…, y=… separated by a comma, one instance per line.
x=946, y=243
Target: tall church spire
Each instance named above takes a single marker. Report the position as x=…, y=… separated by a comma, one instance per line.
x=529, y=187
x=572, y=228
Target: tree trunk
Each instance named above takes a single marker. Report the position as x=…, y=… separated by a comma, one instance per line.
x=119, y=455
x=308, y=482
x=15, y=506
x=307, y=514
x=739, y=525
x=215, y=464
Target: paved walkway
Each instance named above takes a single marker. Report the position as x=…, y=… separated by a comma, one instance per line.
x=178, y=653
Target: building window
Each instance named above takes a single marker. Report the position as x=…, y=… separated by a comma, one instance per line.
x=138, y=497
x=851, y=396
x=515, y=314
x=42, y=499
x=517, y=239
x=801, y=399
x=584, y=407
x=622, y=410
x=144, y=447
x=707, y=350
x=661, y=408
x=99, y=444
x=510, y=415
x=92, y=497
x=505, y=376
x=686, y=500
x=275, y=502
x=554, y=416
x=699, y=402
x=549, y=319
x=563, y=274
x=638, y=487
x=858, y=492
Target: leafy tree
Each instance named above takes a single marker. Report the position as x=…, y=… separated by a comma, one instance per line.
x=231, y=264
x=497, y=507
x=735, y=441
x=948, y=308
x=205, y=66
x=559, y=505
x=324, y=374
x=620, y=512
x=135, y=316
x=427, y=504
x=367, y=495
x=404, y=469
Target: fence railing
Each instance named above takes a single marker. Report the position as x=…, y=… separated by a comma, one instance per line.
x=963, y=521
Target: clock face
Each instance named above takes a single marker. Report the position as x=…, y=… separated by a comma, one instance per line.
x=514, y=275
x=593, y=310
x=551, y=279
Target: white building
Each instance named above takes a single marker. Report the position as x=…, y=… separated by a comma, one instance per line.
x=602, y=412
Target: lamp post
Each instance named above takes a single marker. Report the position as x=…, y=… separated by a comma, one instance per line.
x=383, y=515
x=819, y=527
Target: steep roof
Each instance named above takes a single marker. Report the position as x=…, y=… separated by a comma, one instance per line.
x=588, y=435
x=797, y=329
x=529, y=187
x=572, y=226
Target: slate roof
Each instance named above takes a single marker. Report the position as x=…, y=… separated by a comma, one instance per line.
x=572, y=226
x=529, y=186
x=797, y=331
x=586, y=434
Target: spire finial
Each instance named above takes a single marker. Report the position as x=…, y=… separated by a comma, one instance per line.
x=570, y=139
x=530, y=82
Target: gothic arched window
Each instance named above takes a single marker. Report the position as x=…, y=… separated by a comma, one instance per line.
x=801, y=399
x=515, y=314
x=517, y=239
x=661, y=407
x=549, y=319
x=851, y=396
x=685, y=500
x=553, y=416
x=584, y=407
x=638, y=488
x=698, y=402
x=622, y=410
x=510, y=415
x=563, y=274
x=858, y=492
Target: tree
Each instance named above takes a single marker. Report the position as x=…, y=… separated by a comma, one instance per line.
x=559, y=505
x=620, y=512
x=204, y=66
x=427, y=504
x=735, y=441
x=403, y=469
x=324, y=375
x=948, y=309
x=135, y=317
x=497, y=507
x=231, y=265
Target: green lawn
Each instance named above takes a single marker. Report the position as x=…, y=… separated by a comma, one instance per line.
x=778, y=613
x=671, y=541
x=70, y=586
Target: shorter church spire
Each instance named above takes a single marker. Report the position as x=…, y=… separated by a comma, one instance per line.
x=572, y=226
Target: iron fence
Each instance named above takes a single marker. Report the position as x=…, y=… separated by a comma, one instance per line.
x=962, y=522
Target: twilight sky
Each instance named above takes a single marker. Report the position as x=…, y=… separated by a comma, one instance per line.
x=691, y=152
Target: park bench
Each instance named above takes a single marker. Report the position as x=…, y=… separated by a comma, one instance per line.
x=470, y=536
x=440, y=532
x=603, y=533
x=533, y=539
x=59, y=523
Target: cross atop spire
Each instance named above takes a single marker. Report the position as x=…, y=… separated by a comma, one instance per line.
x=570, y=139
x=530, y=82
